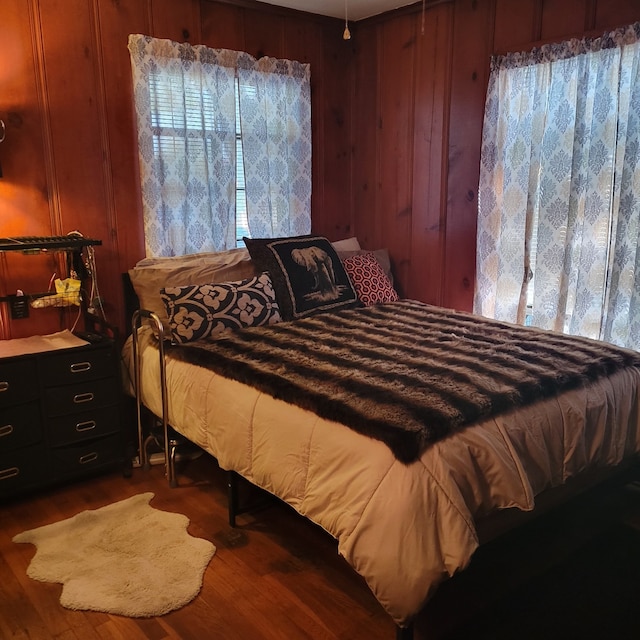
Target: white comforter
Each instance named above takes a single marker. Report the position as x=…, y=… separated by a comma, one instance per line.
x=403, y=528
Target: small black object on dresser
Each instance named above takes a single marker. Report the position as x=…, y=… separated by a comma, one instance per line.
x=60, y=414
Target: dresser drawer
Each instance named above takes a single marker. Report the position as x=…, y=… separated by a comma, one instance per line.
x=91, y=395
x=22, y=469
x=76, y=459
x=18, y=382
x=20, y=426
x=77, y=366
x=86, y=425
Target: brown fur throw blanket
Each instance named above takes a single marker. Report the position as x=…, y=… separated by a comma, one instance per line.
x=406, y=372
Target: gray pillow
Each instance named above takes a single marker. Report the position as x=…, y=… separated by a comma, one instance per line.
x=381, y=255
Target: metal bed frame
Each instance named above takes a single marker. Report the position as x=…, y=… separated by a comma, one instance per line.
x=167, y=440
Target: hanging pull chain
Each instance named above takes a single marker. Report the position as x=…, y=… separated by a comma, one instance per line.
x=346, y=35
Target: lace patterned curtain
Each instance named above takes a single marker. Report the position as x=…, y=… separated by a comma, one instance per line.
x=188, y=129
x=275, y=109
x=559, y=196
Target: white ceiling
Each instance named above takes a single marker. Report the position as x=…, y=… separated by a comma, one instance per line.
x=356, y=9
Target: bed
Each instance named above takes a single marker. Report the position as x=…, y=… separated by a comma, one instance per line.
x=403, y=429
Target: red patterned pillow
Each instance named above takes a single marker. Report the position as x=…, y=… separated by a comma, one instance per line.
x=369, y=279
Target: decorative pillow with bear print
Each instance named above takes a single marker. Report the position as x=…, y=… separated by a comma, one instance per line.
x=200, y=311
x=307, y=274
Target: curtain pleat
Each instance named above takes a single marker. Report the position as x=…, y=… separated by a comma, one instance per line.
x=275, y=111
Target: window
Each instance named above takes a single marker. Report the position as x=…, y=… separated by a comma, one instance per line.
x=559, y=214
x=209, y=175
x=242, y=222
x=199, y=115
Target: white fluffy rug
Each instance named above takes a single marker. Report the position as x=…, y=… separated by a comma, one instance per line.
x=126, y=558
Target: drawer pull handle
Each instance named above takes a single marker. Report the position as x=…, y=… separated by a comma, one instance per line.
x=85, y=426
x=11, y=472
x=4, y=385
x=6, y=430
x=79, y=398
x=89, y=457
x=79, y=367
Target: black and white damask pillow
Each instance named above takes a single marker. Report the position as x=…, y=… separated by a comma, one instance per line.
x=199, y=311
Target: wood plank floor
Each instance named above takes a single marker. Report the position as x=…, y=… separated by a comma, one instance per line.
x=276, y=575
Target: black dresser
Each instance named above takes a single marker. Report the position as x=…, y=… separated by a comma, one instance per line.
x=60, y=413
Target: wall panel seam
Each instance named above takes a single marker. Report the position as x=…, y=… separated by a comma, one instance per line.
x=53, y=191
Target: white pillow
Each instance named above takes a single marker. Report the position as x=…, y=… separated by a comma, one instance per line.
x=348, y=244
x=150, y=275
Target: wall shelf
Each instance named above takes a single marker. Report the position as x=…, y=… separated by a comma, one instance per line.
x=72, y=243
x=36, y=244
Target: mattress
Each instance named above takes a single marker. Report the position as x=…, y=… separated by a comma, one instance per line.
x=404, y=527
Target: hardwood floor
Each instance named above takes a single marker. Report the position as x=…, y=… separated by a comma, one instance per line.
x=277, y=576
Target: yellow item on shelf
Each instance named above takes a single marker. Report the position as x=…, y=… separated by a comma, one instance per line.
x=67, y=294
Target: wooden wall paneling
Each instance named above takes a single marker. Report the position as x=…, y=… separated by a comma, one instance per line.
x=66, y=103
x=178, y=21
x=557, y=20
x=563, y=17
x=222, y=25
x=303, y=41
x=79, y=139
x=23, y=189
x=31, y=274
x=469, y=76
x=5, y=288
x=124, y=245
x=364, y=127
x=24, y=206
x=395, y=151
x=429, y=189
x=516, y=23
x=616, y=13
x=41, y=105
x=263, y=34
x=330, y=214
x=71, y=87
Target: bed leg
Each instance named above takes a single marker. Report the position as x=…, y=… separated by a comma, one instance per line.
x=173, y=446
x=404, y=633
x=232, y=496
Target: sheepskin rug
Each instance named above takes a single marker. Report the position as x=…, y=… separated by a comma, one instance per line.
x=126, y=558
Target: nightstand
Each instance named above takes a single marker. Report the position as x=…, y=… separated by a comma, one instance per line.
x=60, y=412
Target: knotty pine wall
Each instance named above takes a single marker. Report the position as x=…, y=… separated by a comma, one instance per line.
x=417, y=107
x=70, y=157
x=397, y=118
